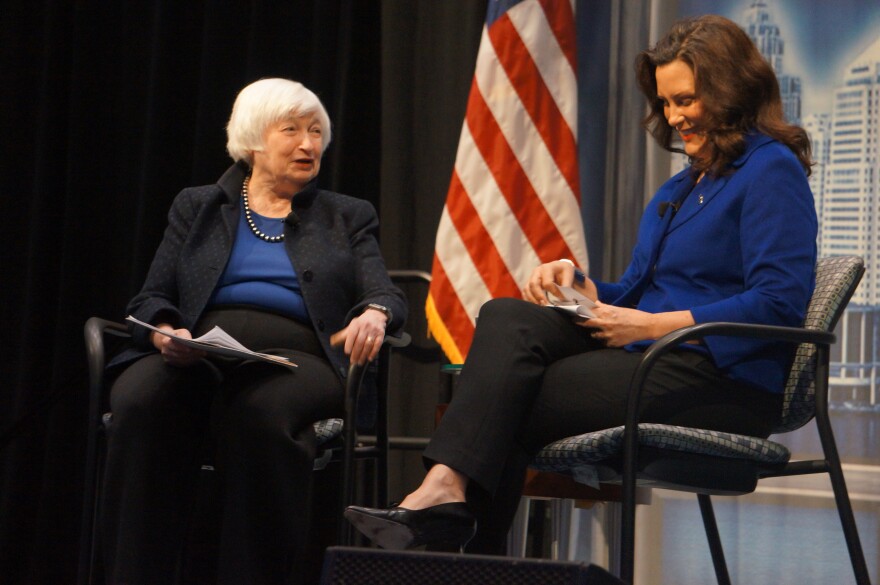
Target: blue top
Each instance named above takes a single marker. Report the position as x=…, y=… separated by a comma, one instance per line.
x=742, y=248
x=259, y=273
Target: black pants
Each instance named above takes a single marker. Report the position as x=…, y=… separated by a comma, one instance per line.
x=532, y=377
x=260, y=421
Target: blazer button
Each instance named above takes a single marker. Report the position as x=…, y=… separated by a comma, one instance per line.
x=308, y=276
x=320, y=325
x=343, y=371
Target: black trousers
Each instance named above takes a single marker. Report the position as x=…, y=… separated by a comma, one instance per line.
x=533, y=377
x=258, y=420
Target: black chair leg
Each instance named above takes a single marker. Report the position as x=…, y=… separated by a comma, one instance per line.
x=381, y=492
x=835, y=471
x=88, y=527
x=844, y=507
x=93, y=494
x=848, y=520
x=349, y=435
x=714, y=539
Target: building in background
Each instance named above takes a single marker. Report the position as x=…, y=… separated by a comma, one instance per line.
x=818, y=126
x=846, y=186
x=850, y=203
x=827, y=58
x=765, y=34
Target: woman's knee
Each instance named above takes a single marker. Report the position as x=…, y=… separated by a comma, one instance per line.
x=509, y=322
x=261, y=423
x=154, y=394
x=502, y=309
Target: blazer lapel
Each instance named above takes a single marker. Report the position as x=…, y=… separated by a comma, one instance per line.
x=703, y=193
x=710, y=187
x=692, y=202
x=661, y=228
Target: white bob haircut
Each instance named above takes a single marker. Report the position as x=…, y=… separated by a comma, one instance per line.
x=263, y=103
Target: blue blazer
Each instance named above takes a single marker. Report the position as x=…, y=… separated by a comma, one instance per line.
x=741, y=248
x=333, y=249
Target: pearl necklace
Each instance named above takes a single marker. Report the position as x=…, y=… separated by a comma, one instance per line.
x=250, y=220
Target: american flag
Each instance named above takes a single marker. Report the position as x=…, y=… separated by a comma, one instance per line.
x=513, y=200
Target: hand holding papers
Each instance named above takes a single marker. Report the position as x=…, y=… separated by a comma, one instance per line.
x=218, y=341
x=572, y=302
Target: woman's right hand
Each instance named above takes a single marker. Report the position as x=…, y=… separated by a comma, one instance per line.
x=549, y=277
x=174, y=353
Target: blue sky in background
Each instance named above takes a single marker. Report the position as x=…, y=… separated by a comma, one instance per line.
x=821, y=37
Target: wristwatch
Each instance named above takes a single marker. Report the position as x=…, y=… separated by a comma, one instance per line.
x=380, y=308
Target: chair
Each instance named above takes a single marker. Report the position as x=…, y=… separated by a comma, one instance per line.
x=340, y=442
x=714, y=463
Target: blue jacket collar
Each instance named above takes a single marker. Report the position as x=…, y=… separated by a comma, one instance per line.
x=754, y=140
x=231, y=181
x=703, y=192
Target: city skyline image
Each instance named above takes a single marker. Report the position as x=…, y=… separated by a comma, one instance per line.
x=826, y=56
x=827, y=59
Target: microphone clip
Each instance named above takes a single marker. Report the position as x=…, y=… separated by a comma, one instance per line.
x=664, y=205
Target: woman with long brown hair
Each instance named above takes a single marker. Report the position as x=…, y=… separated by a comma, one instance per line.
x=731, y=238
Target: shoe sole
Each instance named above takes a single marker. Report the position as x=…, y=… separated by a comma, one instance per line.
x=386, y=533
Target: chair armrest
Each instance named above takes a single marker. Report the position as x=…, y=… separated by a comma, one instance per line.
x=772, y=332
x=356, y=371
x=94, y=331
x=675, y=338
x=396, y=342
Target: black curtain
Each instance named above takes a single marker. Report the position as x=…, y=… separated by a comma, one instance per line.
x=429, y=50
x=107, y=110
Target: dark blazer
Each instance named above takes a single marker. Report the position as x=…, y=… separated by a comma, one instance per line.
x=331, y=241
x=741, y=248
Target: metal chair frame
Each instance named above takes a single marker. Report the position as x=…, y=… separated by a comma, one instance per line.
x=708, y=475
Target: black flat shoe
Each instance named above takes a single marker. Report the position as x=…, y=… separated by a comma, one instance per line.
x=447, y=525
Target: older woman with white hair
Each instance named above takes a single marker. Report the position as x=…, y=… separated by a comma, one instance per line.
x=285, y=268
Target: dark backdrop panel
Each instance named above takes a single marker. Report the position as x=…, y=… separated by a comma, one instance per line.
x=429, y=50
x=429, y=53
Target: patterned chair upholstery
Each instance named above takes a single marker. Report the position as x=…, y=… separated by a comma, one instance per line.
x=327, y=430
x=710, y=462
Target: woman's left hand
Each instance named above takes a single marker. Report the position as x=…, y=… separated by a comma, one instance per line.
x=363, y=337
x=619, y=326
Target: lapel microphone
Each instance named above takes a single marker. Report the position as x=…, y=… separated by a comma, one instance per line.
x=292, y=219
x=664, y=205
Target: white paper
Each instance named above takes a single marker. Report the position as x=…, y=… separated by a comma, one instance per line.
x=572, y=302
x=218, y=341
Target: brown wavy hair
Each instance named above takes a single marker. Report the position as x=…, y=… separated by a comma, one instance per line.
x=735, y=84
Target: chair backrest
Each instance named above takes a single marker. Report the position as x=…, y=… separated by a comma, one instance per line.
x=836, y=281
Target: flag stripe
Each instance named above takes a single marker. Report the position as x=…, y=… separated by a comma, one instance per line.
x=525, y=141
x=515, y=186
x=535, y=96
x=560, y=17
x=495, y=214
x=513, y=200
x=448, y=318
x=489, y=263
x=460, y=269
